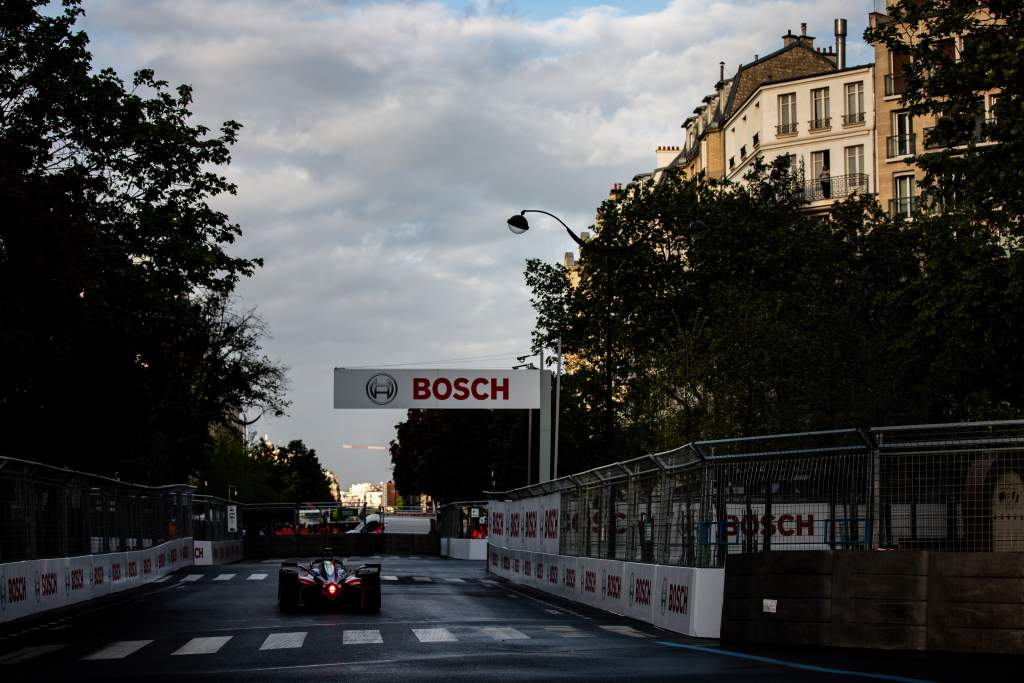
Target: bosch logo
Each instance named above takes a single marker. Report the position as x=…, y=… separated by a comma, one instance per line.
x=675, y=598
x=17, y=589
x=551, y=523
x=553, y=574
x=515, y=566
x=147, y=566
x=77, y=579
x=97, y=576
x=531, y=524
x=513, y=525
x=639, y=590
x=569, y=576
x=526, y=568
x=133, y=569
x=115, y=572
x=48, y=584
x=381, y=389
x=540, y=570
x=614, y=589
x=589, y=581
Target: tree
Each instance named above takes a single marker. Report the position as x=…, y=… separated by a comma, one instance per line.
x=287, y=475
x=112, y=262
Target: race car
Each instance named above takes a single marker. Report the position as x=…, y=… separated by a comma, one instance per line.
x=326, y=582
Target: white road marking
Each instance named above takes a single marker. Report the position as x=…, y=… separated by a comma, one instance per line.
x=422, y=578
x=389, y=578
x=455, y=580
x=504, y=633
x=284, y=641
x=202, y=646
x=568, y=632
x=224, y=577
x=488, y=583
x=119, y=649
x=190, y=578
x=162, y=579
x=256, y=577
x=368, y=637
x=434, y=635
x=27, y=653
x=552, y=611
x=625, y=631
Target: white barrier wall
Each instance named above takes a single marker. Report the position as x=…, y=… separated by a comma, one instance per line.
x=217, y=552
x=464, y=548
x=523, y=548
x=39, y=585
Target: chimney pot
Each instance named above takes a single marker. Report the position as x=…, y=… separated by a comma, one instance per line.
x=840, y=43
x=803, y=28
x=721, y=71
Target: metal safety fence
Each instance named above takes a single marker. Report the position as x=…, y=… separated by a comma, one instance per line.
x=954, y=487
x=48, y=511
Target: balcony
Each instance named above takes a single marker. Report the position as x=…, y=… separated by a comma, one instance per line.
x=820, y=124
x=978, y=134
x=785, y=129
x=900, y=146
x=853, y=119
x=895, y=84
x=835, y=187
x=902, y=206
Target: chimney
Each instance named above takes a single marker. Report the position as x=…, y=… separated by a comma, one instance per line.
x=721, y=71
x=840, y=43
x=803, y=29
x=788, y=39
x=665, y=154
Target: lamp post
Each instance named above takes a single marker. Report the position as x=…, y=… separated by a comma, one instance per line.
x=529, y=422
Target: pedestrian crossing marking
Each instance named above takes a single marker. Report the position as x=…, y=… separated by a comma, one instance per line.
x=422, y=578
x=224, y=577
x=625, y=631
x=367, y=637
x=119, y=649
x=190, y=578
x=434, y=635
x=284, y=641
x=568, y=632
x=202, y=646
x=27, y=653
x=389, y=578
x=455, y=580
x=504, y=633
x=256, y=577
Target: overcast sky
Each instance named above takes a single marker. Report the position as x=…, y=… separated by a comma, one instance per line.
x=385, y=144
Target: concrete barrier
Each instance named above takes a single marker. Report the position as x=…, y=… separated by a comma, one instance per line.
x=35, y=586
x=217, y=552
x=464, y=548
x=910, y=600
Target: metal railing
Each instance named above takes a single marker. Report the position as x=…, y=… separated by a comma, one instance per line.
x=956, y=487
x=48, y=511
x=833, y=187
x=820, y=124
x=900, y=145
x=853, y=119
x=902, y=206
x=786, y=129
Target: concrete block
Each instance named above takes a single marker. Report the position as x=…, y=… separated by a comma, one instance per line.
x=879, y=636
x=908, y=613
x=990, y=640
x=992, y=565
x=887, y=587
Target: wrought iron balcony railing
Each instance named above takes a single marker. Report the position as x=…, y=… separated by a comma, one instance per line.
x=834, y=187
x=853, y=119
x=902, y=206
x=786, y=129
x=820, y=124
x=900, y=145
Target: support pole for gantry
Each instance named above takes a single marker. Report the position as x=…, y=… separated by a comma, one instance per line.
x=544, y=429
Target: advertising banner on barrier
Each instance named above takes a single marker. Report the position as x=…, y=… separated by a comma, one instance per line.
x=640, y=591
x=548, y=516
x=589, y=580
x=497, y=517
x=676, y=598
x=804, y=526
x=613, y=595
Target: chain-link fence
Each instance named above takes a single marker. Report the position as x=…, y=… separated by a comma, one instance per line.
x=957, y=487
x=48, y=511
x=466, y=519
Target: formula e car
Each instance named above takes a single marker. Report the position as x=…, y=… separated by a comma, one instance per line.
x=326, y=582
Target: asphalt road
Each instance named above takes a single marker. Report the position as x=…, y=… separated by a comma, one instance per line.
x=441, y=620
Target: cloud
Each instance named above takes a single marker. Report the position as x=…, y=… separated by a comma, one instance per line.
x=386, y=142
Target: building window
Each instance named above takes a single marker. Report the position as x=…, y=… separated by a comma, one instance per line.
x=732, y=163
x=820, y=109
x=821, y=176
x=787, y=114
x=896, y=80
x=854, y=103
x=757, y=139
x=901, y=143
x=743, y=152
x=856, y=177
x=903, y=200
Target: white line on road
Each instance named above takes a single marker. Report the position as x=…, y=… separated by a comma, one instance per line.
x=434, y=635
x=224, y=577
x=422, y=578
x=368, y=637
x=553, y=611
x=27, y=653
x=202, y=646
x=389, y=578
x=625, y=631
x=284, y=641
x=256, y=577
x=488, y=583
x=568, y=632
x=119, y=649
x=190, y=578
x=162, y=579
x=455, y=580
x=504, y=633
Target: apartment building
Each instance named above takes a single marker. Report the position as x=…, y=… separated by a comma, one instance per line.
x=703, y=154
x=901, y=135
x=825, y=124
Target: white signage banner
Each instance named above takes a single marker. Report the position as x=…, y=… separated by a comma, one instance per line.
x=431, y=388
x=232, y=519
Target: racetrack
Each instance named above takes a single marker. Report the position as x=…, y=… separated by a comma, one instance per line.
x=440, y=620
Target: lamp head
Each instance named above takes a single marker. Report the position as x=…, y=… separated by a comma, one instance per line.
x=518, y=224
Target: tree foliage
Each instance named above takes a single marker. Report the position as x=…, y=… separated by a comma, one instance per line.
x=118, y=326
